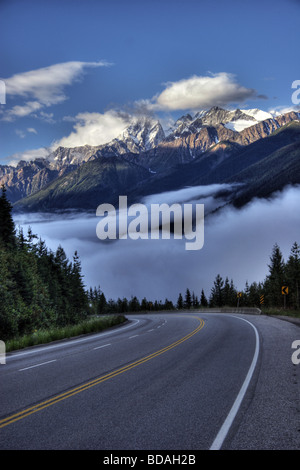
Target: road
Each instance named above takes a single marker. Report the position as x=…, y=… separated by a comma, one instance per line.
x=166, y=381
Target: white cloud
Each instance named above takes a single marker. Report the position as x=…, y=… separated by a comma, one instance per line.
x=200, y=92
x=47, y=117
x=22, y=134
x=31, y=130
x=95, y=129
x=44, y=86
x=22, y=111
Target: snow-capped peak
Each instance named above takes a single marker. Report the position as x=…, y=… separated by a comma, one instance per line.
x=258, y=114
x=144, y=132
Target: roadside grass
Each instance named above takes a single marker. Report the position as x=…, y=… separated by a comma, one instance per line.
x=281, y=312
x=43, y=336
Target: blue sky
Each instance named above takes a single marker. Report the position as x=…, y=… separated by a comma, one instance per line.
x=75, y=71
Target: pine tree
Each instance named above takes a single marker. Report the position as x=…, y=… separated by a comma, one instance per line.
x=7, y=226
x=179, y=304
x=276, y=278
x=203, y=299
x=79, y=299
x=134, y=304
x=216, y=297
x=229, y=293
x=195, y=301
x=293, y=275
x=187, y=299
x=226, y=292
x=102, y=304
x=168, y=305
x=144, y=304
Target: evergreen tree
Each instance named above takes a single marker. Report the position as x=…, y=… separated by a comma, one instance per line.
x=195, y=301
x=78, y=295
x=188, y=299
x=229, y=293
x=293, y=275
x=7, y=226
x=276, y=278
x=144, y=304
x=102, y=304
x=179, y=304
x=134, y=304
x=216, y=297
x=203, y=299
x=168, y=305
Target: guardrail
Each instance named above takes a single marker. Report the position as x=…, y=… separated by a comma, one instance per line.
x=249, y=310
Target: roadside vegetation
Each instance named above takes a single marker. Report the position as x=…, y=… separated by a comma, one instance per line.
x=42, y=336
x=42, y=294
x=278, y=294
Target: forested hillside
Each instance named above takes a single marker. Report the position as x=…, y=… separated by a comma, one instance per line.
x=38, y=288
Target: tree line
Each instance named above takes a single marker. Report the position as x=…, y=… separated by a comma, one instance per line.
x=223, y=292
x=282, y=277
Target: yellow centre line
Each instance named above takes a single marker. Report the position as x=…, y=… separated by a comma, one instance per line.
x=57, y=398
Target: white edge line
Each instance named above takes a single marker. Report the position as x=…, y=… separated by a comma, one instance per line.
x=103, y=346
x=219, y=439
x=42, y=348
x=37, y=365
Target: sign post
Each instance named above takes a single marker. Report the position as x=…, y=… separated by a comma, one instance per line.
x=284, y=291
x=262, y=299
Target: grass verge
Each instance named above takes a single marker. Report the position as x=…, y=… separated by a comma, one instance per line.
x=92, y=325
x=282, y=312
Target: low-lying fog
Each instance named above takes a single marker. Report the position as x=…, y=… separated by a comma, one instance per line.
x=237, y=244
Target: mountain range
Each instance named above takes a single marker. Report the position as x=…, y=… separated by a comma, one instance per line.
x=255, y=152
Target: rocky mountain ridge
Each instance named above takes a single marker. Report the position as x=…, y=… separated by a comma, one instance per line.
x=145, y=143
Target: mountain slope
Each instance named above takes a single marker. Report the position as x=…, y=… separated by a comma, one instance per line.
x=231, y=163
x=273, y=173
x=95, y=182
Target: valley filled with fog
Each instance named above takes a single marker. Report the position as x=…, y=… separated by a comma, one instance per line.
x=237, y=244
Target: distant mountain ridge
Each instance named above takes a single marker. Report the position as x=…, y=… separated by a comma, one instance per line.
x=146, y=152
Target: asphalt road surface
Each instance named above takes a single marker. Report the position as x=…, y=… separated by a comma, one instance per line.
x=187, y=381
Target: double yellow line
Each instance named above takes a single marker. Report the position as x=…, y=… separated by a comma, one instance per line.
x=57, y=398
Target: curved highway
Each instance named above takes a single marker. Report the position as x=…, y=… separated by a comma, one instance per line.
x=163, y=381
